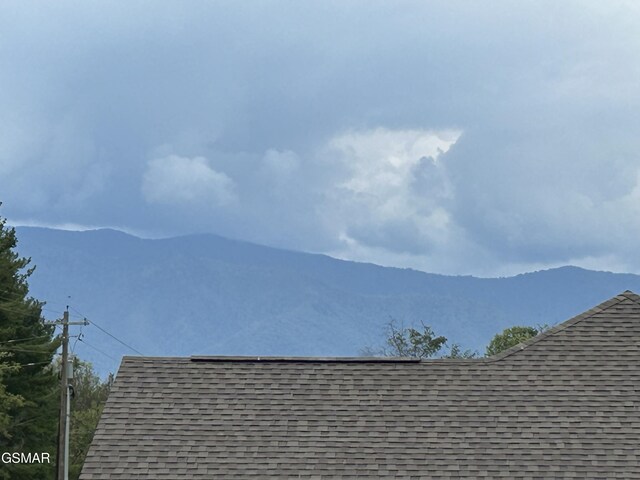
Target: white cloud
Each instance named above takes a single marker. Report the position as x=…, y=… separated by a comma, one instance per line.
x=279, y=171
x=394, y=190
x=75, y=227
x=182, y=180
x=281, y=163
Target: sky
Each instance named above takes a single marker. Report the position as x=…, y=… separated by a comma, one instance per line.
x=473, y=138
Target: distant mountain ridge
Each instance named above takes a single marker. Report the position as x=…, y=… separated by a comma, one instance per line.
x=205, y=294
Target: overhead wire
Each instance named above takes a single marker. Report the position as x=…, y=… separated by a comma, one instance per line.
x=10, y=296
x=12, y=347
x=78, y=337
x=21, y=350
x=32, y=363
x=116, y=338
x=78, y=312
x=92, y=322
x=37, y=417
x=10, y=306
x=45, y=304
x=25, y=338
x=13, y=296
x=16, y=310
x=98, y=350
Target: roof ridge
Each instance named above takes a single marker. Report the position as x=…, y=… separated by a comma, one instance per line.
x=285, y=359
x=626, y=295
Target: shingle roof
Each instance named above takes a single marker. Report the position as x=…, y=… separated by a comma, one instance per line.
x=563, y=405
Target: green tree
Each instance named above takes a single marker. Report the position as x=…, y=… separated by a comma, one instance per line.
x=29, y=385
x=407, y=342
x=456, y=351
x=511, y=337
x=90, y=395
x=8, y=401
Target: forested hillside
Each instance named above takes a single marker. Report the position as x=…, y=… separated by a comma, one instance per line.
x=204, y=294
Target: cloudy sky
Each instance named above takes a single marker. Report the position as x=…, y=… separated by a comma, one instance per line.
x=485, y=138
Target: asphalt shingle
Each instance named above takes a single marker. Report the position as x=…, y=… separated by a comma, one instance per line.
x=563, y=405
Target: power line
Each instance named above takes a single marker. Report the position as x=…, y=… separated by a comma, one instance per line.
x=73, y=348
x=32, y=419
x=115, y=338
x=14, y=307
x=15, y=310
x=78, y=312
x=98, y=350
x=11, y=296
x=25, y=338
x=32, y=363
x=92, y=322
x=79, y=336
x=49, y=395
x=18, y=306
x=22, y=297
x=19, y=349
x=25, y=312
x=19, y=298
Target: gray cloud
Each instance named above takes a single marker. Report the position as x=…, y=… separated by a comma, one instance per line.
x=312, y=126
x=182, y=180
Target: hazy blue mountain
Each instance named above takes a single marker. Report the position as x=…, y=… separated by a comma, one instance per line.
x=204, y=294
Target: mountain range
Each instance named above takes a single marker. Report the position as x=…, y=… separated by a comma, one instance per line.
x=205, y=294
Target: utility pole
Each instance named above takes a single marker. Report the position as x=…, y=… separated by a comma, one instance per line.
x=65, y=401
x=64, y=388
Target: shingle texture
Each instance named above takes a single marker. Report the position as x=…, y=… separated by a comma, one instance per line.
x=563, y=405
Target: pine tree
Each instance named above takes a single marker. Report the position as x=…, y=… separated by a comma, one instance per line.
x=29, y=390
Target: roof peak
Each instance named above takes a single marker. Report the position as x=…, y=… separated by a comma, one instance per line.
x=626, y=295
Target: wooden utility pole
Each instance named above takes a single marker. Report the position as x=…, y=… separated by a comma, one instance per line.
x=64, y=389
x=63, y=426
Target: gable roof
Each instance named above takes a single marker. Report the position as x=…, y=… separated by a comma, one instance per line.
x=563, y=405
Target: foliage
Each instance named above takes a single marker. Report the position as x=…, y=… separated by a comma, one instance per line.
x=457, y=352
x=29, y=387
x=511, y=337
x=407, y=342
x=8, y=401
x=90, y=395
